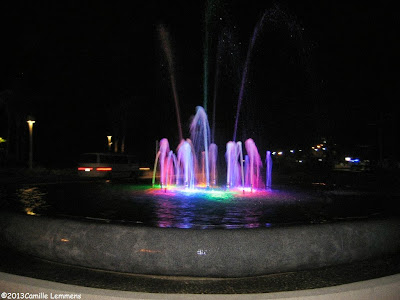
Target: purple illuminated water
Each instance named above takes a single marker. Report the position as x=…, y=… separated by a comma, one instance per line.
x=186, y=163
x=196, y=162
x=200, y=137
x=268, y=163
x=245, y=70
x=163, y=152
x=172, y=172
x=234, y=164
x=253, y=178
x=213, y=156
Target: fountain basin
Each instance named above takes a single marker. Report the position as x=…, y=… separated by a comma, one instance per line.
x=203, y=253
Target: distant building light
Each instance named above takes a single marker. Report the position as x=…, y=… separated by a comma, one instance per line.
x=103, y=169
x=319, y=159
x=324, y=148
x=300, y=150
x=280, y=153
x=300, y=161
x=291, y=151
x=347, y=158
x=273, y=153
x=144, y=169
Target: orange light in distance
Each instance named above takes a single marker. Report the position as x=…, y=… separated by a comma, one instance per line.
x=103, y=169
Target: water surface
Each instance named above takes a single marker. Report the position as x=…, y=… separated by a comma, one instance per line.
x=141, y=205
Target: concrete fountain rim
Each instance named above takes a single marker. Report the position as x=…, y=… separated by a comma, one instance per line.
x=199, y=253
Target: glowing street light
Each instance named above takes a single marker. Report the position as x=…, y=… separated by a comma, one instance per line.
x=30, y=124
x=109, y=142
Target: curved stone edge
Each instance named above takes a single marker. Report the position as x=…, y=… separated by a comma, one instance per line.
x=202, y=253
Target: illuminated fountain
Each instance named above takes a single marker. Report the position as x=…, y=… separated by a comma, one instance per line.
x=268, y=163
x=253, y=165
x=120, y=226
x=200, y=137
x=195, y=165
x=212, y=156
x=196, y=161
x=234, y=161
x=186, y=162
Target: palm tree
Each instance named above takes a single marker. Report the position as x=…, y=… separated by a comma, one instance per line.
x=15, y=109
x=4, y=99
x=118, y=118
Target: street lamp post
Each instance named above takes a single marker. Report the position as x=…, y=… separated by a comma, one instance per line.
x=30, y=124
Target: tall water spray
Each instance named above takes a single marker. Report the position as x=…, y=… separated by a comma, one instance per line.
x=171, y=169
x=200, y=137
x=268, y=162
x=245, y=70
x=216, y=77
x=254, y=164
x=168, y=53
x=162, y=155
x=234, y=164
x=213, y=155
x=211, y=7
x=186, y=162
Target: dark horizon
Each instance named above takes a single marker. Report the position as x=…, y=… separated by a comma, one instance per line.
x=316, y=70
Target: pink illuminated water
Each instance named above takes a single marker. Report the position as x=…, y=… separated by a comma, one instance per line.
x=253, y=165
x=195, y=165
x=163, y=152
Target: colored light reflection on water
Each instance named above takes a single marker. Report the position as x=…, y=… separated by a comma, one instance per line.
x=198, y=208
x=209, y=193
x=203, y=207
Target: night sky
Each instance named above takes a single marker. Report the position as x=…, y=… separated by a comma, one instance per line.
x=317, y=69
